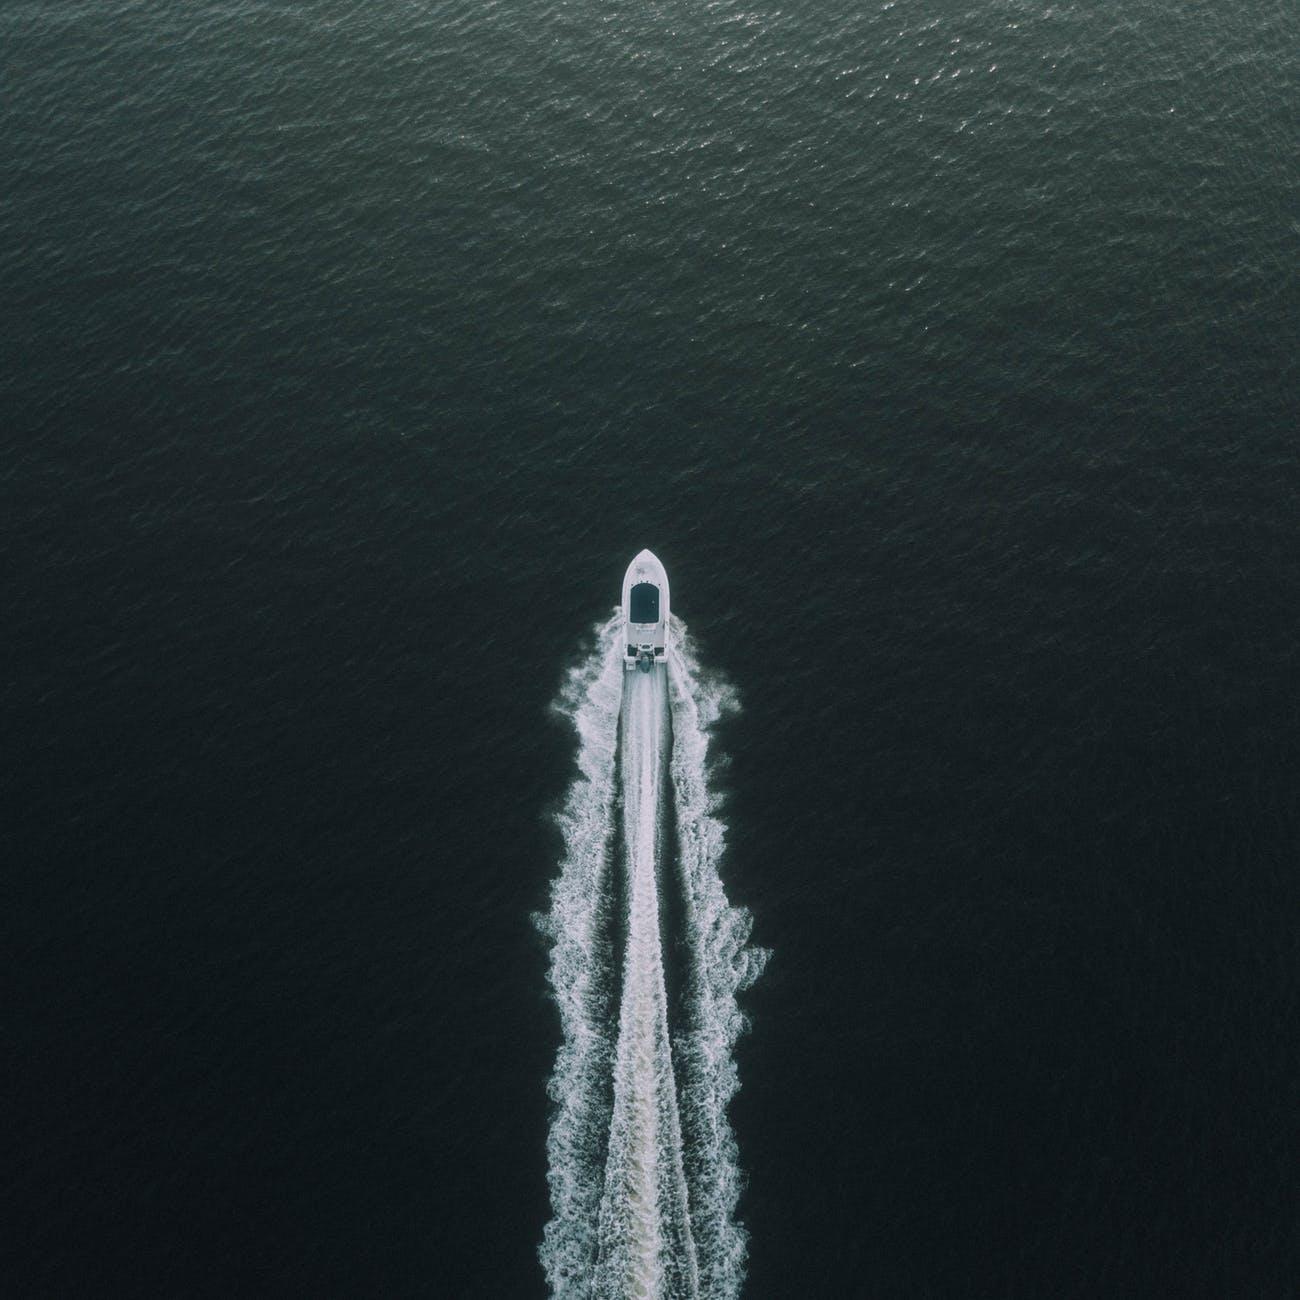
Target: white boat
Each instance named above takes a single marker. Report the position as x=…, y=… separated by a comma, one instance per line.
x=645, y=613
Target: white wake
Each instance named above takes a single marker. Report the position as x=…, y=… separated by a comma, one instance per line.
x=642, y=1162
x=721, y=964
x=645, y=1250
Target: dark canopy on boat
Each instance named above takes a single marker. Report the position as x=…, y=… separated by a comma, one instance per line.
x=644, y=603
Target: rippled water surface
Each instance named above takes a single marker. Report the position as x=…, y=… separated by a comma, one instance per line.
x=945, y=354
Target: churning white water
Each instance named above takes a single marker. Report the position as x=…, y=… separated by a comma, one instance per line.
x=645, y=1250
x=643, y=1166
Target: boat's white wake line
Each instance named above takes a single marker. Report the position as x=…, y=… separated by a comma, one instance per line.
x=643, y=1170
x=645, y=1247
x=720, y=964
x=580, y=977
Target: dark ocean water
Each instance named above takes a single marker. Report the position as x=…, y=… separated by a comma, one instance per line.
x=947, y=356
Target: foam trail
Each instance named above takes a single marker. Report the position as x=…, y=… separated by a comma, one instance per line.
x=643, y=1166
x=646, y=1250
x=579, y=971
x=721, y=964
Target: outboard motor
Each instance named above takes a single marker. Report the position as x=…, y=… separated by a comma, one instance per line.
x=645, y=660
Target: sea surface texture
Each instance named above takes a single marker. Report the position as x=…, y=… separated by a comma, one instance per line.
x=946, y=354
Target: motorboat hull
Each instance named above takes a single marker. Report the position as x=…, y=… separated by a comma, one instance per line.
x=645, y=613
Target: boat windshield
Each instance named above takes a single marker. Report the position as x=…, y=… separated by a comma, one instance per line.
x=644, y=605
